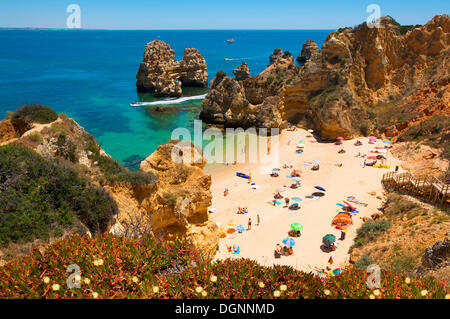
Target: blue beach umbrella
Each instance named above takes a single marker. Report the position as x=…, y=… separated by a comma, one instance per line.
x=316, y=162
x=296, y=199
x=289, y=242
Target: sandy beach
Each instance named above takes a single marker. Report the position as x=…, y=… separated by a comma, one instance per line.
x=351, y=179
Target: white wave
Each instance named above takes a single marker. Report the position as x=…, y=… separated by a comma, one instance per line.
x=171, y=101
x=236, y=59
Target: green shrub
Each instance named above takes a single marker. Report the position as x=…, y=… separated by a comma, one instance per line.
x=35, y=137
x=403, y=264
x=114, y=172
x=35, y=113
x=363, y=262
x=40, y=198
x=369, y=230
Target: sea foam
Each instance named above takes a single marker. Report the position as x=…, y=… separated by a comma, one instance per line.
x=171, y=101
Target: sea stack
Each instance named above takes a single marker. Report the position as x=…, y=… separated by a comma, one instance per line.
x=242, y=72
x=160, y=73
x=309, y=48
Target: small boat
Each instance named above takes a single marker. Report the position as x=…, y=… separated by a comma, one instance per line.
x=135, y=103
x=226, y=59
x=230, y=40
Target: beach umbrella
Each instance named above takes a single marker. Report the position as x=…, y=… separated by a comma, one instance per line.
x=240, y=228
x=372, y=138
x=281, y=189
x=329, y=239
x=276, y=170
x=297, y=179
x=320, y=188
x=296, y=199
x=231, y=230
x=340, y=138
x=318, y=194
x=289, y=242
x=310, y=131
x=296, y=226
x=316, y=162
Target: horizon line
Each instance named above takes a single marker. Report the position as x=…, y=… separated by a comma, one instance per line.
x=100, y=29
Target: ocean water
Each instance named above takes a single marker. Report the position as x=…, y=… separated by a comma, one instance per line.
x=91, y=75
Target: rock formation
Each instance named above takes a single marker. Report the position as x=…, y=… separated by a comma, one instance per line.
x=252, y=101
x=367, y=66
x=309, y=49
x=12, y=128
x=242, y=72
x=436, y=258
x=161, y=74
x=175, y=206
x=357, y=72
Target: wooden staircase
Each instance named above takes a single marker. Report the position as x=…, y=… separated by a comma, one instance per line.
x=430, y=188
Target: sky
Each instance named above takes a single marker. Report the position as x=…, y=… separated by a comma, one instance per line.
x=213, y=14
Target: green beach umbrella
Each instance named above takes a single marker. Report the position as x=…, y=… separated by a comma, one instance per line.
x=329, y=239
x=296, y=226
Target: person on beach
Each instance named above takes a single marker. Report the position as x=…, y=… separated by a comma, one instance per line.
x=257, y=220
x=225, y=193
x=343, y=231
x=286, y=199
x=249, y=224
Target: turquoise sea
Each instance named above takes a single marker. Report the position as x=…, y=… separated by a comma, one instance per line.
x=90, y=76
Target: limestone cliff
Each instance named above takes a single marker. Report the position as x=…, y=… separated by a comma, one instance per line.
x=249, y=101
x=364, y=80
x=309, y=49
x=160, y=73
x=361, y=69
x=175, y=206
x=165, y=199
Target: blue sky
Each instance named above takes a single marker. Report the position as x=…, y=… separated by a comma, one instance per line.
x=213, y=14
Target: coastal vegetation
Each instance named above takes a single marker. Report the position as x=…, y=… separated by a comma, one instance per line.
x=113, y=171
x=119, y=267
x=34, y=113
x=41, y=198
x=414, y=226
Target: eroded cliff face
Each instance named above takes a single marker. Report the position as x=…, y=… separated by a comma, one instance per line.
x=362, y=68
x=357, y=72
x=249, y=101
x=174, y=207
x=161, y=74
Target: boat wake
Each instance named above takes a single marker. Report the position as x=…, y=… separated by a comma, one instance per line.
x=237, y=59
x=170, y=101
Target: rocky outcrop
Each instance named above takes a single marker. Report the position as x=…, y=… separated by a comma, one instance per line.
x=12, y=128
x=250, y=102
x=358, y=71
x=436, y=257
x=161, y=74
x=242, y=72
x=309, y=49
x=175, y=206
x=367, y=66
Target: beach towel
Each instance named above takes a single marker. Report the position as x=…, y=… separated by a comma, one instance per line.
x=242, y=175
